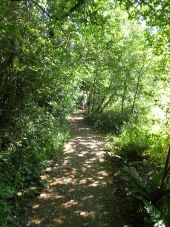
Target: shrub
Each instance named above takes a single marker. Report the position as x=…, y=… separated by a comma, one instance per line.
x=131, y=143
x=111, y=121
x=37, y=136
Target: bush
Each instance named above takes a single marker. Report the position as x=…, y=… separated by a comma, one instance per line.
x=110, y=121
x=131, y=143
x=35, y=136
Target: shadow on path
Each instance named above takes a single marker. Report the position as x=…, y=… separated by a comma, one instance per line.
x=79, y=189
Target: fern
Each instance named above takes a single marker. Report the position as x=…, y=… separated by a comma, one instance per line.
x=142, y=189
x=154, y=214
x=139, y=184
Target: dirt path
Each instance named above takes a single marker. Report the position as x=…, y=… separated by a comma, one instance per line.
x=79, y=189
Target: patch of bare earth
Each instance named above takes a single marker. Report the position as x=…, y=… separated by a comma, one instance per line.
x=79, y=191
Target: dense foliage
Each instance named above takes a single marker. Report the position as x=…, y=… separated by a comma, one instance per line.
x=129, y=99
x=118, y=52
x=37, y=81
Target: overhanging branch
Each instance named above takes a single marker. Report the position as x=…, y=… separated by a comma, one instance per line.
x=71, y=10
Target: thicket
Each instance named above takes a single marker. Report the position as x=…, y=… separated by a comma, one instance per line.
x=129, y=101
x=36, y=82
x=50, y=51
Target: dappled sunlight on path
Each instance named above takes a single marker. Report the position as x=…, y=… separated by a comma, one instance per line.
x=77, y=191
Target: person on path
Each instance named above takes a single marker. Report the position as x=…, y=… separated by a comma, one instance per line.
x=84, y=100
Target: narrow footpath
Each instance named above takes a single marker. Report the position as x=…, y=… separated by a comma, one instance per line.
x=79, y=190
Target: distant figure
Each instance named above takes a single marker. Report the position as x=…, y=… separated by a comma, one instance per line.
x=84, y=100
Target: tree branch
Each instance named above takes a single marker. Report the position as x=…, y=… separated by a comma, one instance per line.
x=72, y=9
x=39, y=6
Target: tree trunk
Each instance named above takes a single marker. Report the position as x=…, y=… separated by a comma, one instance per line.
x=124, y=96
x=166, y=171
x=137, y=87
x=136, y=91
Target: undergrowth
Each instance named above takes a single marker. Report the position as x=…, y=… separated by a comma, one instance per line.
x=143, y=152
x=109, y=121
x=30, y=138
